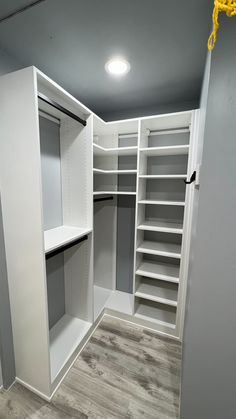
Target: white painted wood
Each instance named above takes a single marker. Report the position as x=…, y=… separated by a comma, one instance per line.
x=113, y=193
x=118, y=151
x=120, y=302
x=187, y=228
x=163, y=177
x=165, y=151
x=20, y=178
x=162, y=226
x=160, y=248
x=158, y=270
x=65, y=336
x=118, y=172
x=155, y=202
x=153, y=313
x=150, y=290
x=62, y=235
x=101, y=295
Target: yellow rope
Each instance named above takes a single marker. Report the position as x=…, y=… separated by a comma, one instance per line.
x=227, y=6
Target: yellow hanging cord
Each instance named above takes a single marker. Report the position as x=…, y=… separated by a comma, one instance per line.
x=227, y=6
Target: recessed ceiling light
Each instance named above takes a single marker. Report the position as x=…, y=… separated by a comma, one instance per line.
x=117, y=67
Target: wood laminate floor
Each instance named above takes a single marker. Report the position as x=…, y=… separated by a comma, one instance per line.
x=125, y=371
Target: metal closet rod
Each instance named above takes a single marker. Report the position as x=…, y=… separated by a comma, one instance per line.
x=65, y=247
x=104, y=198
x=61, y=109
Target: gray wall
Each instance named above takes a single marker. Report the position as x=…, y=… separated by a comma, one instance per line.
x=209, y=349
x=6, y=340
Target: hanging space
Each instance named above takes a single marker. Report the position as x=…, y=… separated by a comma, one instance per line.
x=115, y=180
x=66, y=163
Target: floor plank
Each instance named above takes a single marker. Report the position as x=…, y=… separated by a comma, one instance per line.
x=125, y=371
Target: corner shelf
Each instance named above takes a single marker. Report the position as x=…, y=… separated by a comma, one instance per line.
x=154, y=202
x=165, y=151
x=117, y=151
x=160, y=248
x=162, y=271
x=62, y=235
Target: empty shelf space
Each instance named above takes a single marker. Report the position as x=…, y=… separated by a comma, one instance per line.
x=62, y=235
x=113, y=193
x=114, y=172
x=117, y=151
x=154, y=290
x=165, y=151
x=155, y=202
x=156, y=313
x=163, y=176
x=162, y=226
x=160, y=248
x=101, y=295
x=65, y=336
x=158, y=270
x=120, y=301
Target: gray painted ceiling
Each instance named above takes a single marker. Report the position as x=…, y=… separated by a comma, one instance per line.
x=70, y=40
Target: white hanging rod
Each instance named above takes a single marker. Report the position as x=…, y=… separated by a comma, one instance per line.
x=167, y=131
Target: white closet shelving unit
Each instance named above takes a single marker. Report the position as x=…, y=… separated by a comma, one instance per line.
x=167, y=157
x=97, y=219
x=47, y=215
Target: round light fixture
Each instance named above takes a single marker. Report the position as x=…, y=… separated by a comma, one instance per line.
x=117, y=67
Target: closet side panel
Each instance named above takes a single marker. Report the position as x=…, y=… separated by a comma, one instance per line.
x=20, y=178
x=125, y=243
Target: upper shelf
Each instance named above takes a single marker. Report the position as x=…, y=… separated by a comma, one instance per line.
x=118, y=151
x=62, y=235
x=165, y=151
x=114, y=172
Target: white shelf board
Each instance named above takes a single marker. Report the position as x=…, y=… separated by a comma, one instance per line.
x=62, y=235
x=163, y=176
x=156, y=202
x=113, y=193
x=114, y=172
x=161, y=226
x=155, y=315
x=150, y=291
x=157, y=270
x=101, y=295
x=160, y=248
x=65, y=336
x=118, y=151
x=165, y=151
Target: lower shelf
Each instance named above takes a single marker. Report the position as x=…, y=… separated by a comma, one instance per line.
x=159, y=291
x=65, y=336
x=156, y=313
x=162, y=226
x=160, y=248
